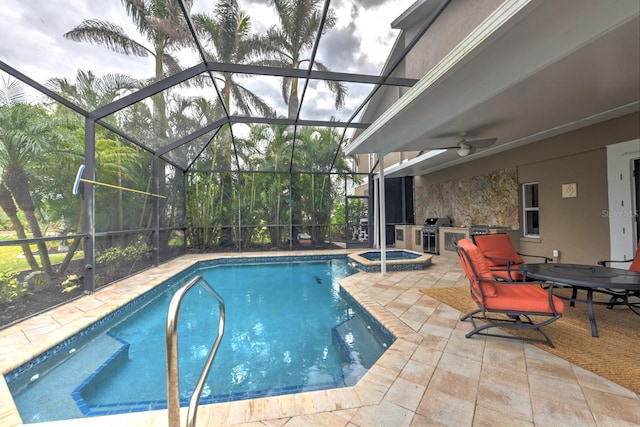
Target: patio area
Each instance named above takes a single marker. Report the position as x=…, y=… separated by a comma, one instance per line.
x=431, y=375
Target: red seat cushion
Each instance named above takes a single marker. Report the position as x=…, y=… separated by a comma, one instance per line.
x=476, y=258
x=497, y=246
x=524, y=298
x=510, y=275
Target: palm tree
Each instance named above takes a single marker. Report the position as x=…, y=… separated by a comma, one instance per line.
x=286, y=46
x=316, y=150
x=8, y=206
x=163, y=25
x=299, y=22
x=12, y=92
x=273, y=187
x=25, y=133
x=90, y=92
x=228, y=39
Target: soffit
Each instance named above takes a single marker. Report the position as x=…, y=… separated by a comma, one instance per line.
x=549, y=68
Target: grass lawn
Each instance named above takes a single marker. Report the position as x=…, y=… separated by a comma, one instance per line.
x=11, y=258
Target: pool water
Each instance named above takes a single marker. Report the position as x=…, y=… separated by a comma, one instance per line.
x=390, y=255
x=289, y=329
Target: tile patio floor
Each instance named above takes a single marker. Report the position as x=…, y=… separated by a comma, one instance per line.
x=430, y=376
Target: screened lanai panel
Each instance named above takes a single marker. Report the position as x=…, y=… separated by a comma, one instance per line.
x=254, y=147
x=41, y=148
x=173, y=114
x=220, y=153
x=187, y=152
x=316, y=148
x=333, y=100
x=311, y=205
x=256, y=95
x=60, y=39
x=121, y=255
x=245, y=209
x=263, y=209
x=171, y=185
x=123, y=165
x=362, y=37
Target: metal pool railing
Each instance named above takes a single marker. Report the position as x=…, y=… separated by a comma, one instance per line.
x=173, y=387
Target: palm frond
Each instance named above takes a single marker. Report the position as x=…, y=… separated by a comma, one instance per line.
x=12, y=92
x=339, y=89
x=106, y=34
x=263, y=108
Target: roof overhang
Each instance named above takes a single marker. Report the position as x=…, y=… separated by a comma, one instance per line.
x=531, y=70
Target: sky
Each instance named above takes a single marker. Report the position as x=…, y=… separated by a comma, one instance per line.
x=32, y=43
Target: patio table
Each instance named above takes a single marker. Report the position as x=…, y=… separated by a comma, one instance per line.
x=584, y=277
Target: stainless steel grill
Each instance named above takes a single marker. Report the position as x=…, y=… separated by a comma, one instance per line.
x=475, y=230
x=430, y=234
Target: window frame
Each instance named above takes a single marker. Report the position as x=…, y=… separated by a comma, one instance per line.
x=527, y=209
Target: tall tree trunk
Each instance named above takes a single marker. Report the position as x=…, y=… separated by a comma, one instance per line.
x=296, y=196
x=9, y=208
x=18, y=184
x=294, y=103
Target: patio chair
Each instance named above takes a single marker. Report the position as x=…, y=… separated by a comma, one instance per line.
x=505, y=304
x=625, y=296
x=501, y=256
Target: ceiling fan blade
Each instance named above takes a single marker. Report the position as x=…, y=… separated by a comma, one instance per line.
x=482, y=143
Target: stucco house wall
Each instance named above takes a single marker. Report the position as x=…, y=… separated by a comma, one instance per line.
x=575, y=226
x=488, y=190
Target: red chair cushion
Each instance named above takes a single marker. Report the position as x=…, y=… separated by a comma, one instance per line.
x=476, y=258
x=509, y=276
x=524, y=298
x=497, y=246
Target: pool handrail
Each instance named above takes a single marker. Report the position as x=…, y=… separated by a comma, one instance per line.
x=173, y=387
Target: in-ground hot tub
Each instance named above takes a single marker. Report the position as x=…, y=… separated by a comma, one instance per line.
x=396, y=260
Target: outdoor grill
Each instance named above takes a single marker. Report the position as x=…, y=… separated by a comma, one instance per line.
x=430, y=231
x=475, y=230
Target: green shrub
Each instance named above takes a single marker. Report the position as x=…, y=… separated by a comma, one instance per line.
x=10, y=288
x=71, y=284
x=119, y=255
x=116, y=259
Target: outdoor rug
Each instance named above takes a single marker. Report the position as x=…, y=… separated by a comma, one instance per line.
x=615, y=355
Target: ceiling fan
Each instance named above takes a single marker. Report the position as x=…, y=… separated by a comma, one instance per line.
x=466, y=147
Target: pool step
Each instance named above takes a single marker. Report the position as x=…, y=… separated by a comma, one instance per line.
x=360, y=345
x=63, y=381
x=111, y=359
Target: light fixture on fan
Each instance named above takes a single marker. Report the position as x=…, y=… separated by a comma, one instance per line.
x=463, y=149
x=466, y=147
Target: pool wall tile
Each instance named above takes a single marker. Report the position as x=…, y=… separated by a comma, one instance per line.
x=182, y=277
x=369, y=261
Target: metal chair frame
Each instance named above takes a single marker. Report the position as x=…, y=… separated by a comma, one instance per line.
x=512, y=319
x=622, y=295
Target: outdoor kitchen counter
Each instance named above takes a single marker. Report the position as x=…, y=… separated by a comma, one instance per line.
x=449, y=236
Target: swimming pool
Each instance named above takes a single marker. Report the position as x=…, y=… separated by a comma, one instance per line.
x=259, y=343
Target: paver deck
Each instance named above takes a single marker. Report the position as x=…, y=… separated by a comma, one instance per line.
x=431, y=375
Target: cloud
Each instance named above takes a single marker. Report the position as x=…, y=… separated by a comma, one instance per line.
x=262, y=13
x=33, y=44
x=39, y=50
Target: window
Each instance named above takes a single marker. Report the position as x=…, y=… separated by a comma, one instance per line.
x=531, y=210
